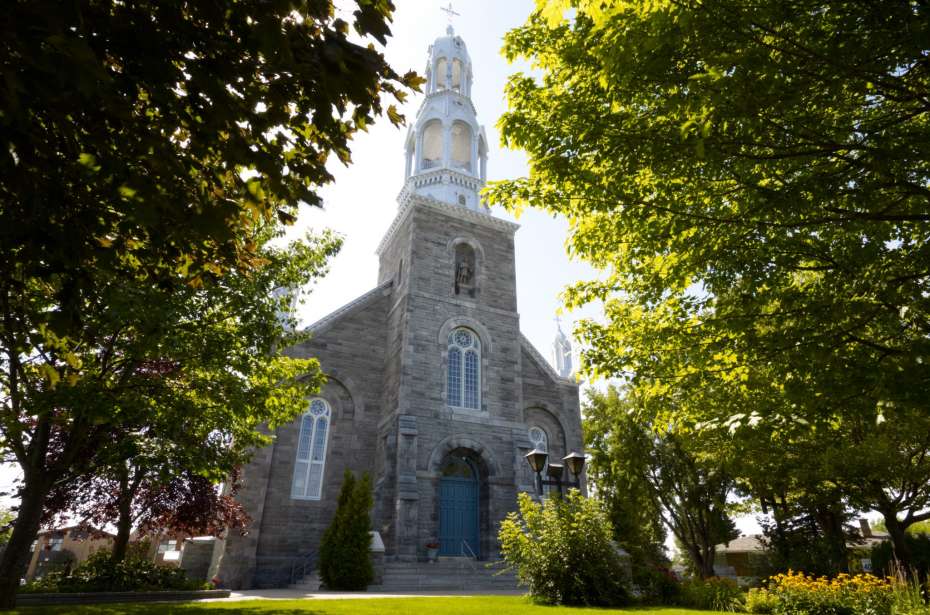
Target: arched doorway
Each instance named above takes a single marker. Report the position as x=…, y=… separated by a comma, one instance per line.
x=458, y=507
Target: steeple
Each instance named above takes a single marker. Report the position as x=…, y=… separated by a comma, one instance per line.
x=446, y=148
x=562, y=352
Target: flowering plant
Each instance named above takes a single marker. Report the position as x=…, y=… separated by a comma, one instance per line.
x=432, y=545
x=795, y=593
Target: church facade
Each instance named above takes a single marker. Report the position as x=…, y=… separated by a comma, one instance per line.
x=431, y=388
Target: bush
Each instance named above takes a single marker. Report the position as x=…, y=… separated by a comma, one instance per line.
x=883, y=559
x=345, y=561
x=799, y=594
x=99, y=574
x=562, y=551
x=656, y=585
x=761, y=601
x=713, y=594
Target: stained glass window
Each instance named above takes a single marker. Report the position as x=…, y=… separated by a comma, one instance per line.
x=311, y=451
x=464, y=377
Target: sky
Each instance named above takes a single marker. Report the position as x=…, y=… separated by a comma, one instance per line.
x=361, y=203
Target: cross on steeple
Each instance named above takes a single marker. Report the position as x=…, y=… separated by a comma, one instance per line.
x=450, y=12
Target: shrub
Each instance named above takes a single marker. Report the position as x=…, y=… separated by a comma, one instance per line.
x=345, y=562
x=100, y=574
x=883, y=559
x=656, y=585
x=799, y=594
x=713, y=594
x=761, y=601
x=562, y=551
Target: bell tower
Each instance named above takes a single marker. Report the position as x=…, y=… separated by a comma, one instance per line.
x=446, y=149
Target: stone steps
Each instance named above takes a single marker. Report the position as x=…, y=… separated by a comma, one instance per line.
x=448, y=574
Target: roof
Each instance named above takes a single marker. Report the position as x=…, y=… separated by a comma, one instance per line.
x=743, y=544
x=356, y=304
x=755, y=544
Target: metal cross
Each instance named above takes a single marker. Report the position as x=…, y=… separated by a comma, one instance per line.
x=449, y=11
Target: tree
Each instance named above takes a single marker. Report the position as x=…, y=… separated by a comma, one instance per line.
x=686, y=487
x=752, y=179
x=6, y=524
x=150, y=147
x=615, y=454
x=345, y=558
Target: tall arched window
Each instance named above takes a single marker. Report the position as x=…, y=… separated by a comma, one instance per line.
x=461, y=146
x=457, y=75
x=311, y=451
x=464, y=378
x=432, y=145
x=539, y=440
x=442, y=67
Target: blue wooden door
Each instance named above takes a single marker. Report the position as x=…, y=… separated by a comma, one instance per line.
x=458, y=515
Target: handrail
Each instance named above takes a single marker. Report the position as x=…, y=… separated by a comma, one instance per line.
x=303, y=563
x=471, y=559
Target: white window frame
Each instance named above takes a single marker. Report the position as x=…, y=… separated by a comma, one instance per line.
x=315, y=422
x=473, y=347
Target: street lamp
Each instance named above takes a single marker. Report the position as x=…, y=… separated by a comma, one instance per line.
x=537, y=460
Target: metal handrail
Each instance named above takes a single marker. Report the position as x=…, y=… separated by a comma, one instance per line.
x=471, y=559
x=303, y=563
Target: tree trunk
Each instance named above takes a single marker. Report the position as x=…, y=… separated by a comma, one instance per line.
x=124, y=522
x=16, y=556
x=898, y=533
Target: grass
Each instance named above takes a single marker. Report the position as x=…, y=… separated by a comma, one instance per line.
x=484, y=605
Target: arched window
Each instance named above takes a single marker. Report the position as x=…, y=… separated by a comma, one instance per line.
x=442, y=67
x=539, y=440
x=432, y=145
x=461, y=146
x=457, y=75
x=311, y=451
x=464, y=378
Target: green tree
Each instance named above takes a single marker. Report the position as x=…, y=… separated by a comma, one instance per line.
x=562, y=550
x=6, y=525
x=615, y=451
x=149, y=148
x=345, y=558
x=753, y=181
x=685, y=483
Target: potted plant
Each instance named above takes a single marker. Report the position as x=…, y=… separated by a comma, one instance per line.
x=432, y=550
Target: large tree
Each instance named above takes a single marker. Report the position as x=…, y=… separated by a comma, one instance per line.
x=676, y=473
x=754, y=181
x=149, y=147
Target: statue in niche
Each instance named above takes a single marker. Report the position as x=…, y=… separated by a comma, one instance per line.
x=464, y=270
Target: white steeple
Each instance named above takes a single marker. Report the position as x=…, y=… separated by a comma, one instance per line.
x=446, y=148
x=562, y=352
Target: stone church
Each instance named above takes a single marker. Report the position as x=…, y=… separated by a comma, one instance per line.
x=431, y=388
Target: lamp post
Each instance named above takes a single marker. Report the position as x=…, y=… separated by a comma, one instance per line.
x=537, y=460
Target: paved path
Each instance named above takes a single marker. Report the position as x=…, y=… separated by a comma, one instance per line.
x=294, y=594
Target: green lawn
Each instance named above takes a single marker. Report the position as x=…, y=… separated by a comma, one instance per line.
x=486, y=605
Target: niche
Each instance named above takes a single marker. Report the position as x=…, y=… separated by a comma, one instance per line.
x=466, y=273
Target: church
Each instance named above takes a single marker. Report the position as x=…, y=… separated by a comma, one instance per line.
x=431, y=388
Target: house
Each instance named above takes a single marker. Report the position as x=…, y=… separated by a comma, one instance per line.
x=431, y=388
x=65, y=548
x=746, y=559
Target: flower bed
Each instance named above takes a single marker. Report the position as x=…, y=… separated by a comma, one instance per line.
x=795, y=593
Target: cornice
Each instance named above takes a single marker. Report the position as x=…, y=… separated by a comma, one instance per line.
x=455, y=211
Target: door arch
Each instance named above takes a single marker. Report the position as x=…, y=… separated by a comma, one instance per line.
x=458, y=507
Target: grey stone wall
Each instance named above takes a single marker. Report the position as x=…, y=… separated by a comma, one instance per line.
x=386, y=359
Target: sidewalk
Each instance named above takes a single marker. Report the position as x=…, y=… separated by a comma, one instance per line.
x=295, y=594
